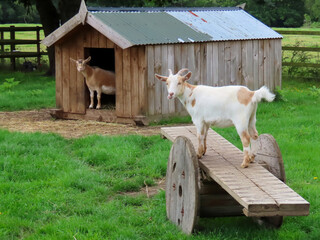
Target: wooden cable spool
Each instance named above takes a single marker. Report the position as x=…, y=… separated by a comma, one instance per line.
x=189, y=196
x=268, y=154
x=182, y=191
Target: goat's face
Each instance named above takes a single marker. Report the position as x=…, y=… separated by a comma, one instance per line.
x=175, y=83
x=81, y=63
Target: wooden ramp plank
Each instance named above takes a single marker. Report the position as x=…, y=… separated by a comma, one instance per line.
x=255, y=188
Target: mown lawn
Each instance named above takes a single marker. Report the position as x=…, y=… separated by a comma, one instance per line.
x=56, y=188
x=23, y=91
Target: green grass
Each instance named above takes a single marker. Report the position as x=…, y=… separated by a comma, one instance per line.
x=56, y=188
x=34, y=91
x=306, y=40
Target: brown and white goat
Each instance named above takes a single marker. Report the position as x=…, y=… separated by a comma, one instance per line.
x=97, y=79
x=220, y=107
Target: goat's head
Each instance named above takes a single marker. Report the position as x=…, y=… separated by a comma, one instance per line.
x=175, y=83
x=81, y=64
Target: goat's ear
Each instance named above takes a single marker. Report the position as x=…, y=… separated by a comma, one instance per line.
x=87, y=60
x=71, y=59
x=187, y=76
x=161, y=78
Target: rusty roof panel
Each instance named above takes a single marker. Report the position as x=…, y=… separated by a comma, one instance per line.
x=226, y=25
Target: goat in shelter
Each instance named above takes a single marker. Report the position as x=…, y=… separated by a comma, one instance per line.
x=97, y=79
x=219, y=106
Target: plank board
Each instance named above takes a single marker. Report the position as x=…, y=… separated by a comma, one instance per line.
x=255, y=188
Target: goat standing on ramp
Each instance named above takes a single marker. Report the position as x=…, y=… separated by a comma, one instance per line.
x=97, y=79
x=220, y=107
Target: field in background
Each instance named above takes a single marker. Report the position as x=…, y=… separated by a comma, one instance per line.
x=5, y=63
x=306, y=41
x=301, y=64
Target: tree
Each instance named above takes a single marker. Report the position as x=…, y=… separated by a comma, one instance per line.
x=52, y=13
x=275, y=13
x=14, y=12
x=313, y=9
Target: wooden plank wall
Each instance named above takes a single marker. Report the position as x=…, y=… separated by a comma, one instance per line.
x=70, y=87
x=130, y=69
x=252, y=63
x=131, y=83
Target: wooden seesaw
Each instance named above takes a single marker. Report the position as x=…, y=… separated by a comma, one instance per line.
x=216, y=185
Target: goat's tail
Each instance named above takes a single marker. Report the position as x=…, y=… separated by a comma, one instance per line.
x=263, y=93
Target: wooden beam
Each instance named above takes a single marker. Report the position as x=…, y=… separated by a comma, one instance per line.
x=108, y=32
x=62, y=31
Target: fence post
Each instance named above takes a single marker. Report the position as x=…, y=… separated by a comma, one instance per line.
x=12, y=47
x=38, y=45
x=2, y=45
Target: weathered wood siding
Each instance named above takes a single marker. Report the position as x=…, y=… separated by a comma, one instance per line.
x=131, y=74
x=70, y=87
x=252, y=63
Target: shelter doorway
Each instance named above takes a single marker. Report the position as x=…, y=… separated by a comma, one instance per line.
x=103, y=58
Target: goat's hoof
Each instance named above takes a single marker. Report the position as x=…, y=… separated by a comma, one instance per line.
x=90, y=107
x=98, y=108
x=199, y=156
x=244, y=165
x=252, y=158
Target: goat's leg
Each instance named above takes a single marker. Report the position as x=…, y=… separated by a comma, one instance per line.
x=91, y=98
x=99, y=99
x=245, y=139
x=201, y=139
x=253, y=131
x=207, y=126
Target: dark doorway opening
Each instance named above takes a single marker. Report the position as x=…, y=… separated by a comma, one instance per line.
x=103, y=58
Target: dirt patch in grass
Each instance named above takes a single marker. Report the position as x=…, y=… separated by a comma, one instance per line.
x=41, y=121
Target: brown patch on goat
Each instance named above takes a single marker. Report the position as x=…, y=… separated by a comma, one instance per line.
x=245, y=139
x=192, y=87
x=193, y=102
x=246, y=160
x=253, y=133
x=244, y=96
x=201, y=148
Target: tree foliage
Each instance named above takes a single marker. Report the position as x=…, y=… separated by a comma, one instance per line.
x=313, y=9
x=15, y=12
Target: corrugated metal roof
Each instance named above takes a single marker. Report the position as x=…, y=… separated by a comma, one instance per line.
x=226, y=25
x=174, y=26
x=150, y=28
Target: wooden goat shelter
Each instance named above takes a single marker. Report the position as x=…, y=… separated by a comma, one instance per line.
x=221, y=46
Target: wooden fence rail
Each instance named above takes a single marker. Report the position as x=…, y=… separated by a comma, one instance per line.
x=301, y=49
x=12, y=42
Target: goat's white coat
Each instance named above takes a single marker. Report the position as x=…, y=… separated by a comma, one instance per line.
x=218, y=106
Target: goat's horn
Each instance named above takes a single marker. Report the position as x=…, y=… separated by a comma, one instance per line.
x=182, y=70
x=170, y=72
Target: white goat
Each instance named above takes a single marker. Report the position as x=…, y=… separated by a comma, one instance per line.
x=218, y=106
x=97, y=79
